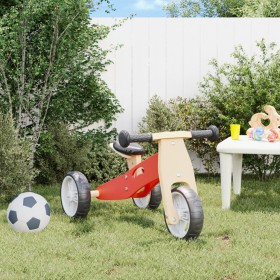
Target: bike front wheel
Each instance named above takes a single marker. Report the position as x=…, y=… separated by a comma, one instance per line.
x=189, y=208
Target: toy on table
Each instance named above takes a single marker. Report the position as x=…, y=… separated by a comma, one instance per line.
x=260, y=132
x=166, y=176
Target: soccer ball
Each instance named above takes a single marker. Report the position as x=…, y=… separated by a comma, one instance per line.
x=28, y=212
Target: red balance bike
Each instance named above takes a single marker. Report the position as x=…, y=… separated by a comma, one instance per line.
x=167, y=176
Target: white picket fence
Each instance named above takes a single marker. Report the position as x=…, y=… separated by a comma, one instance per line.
x=169, y=57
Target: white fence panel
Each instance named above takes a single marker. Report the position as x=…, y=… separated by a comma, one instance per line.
x=169, y=57
x=140, y=74
x=192, y=57
x=157, y=53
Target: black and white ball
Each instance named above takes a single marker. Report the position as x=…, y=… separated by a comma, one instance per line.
x=28, y=212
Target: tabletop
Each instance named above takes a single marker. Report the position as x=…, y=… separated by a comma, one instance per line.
x=246, y=145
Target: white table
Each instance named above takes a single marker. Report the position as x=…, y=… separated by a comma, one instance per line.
x=231, y=153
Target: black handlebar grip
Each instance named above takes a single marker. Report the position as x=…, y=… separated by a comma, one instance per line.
x=212, y=133
x=125, y=138
x=215, y=133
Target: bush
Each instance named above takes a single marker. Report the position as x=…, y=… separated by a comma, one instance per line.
x=62, y=150
x=231, y=93
x=104, y=164
x=16, y=174
x=194, y=113
x=59, y=151
x=160, y=116
x=179, y=114
x=237, y=91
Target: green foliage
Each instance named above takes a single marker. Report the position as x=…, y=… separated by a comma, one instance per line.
x=234, y=92
x=180, y=114
x=15, y=172
x=62, y=150
x=6, y=5
x=260, y=8
x=184, y=8
x=51, y=64
x=203, y=8
x=194, y=112
x=231, y=93
x=104, y=164
x=160, y=116
x=226, y=8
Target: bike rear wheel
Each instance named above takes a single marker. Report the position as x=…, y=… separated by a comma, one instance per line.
x=151, y=201
x=75, y=195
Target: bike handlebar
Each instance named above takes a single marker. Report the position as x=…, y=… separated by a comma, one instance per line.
x=125, y=138
x=212, y=133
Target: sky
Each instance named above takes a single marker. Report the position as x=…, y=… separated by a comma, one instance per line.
x=140, y=8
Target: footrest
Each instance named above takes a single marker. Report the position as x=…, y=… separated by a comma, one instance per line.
x=132, y=149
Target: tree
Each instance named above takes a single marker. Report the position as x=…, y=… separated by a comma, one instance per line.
x=203, y=8
x=50, y=66
x=15, y=173
x=260, y=8
x=6, y=5
x=226, y=8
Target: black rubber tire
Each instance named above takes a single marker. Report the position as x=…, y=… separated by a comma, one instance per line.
x=152, y=202
x=81, y=191
x=193, y=210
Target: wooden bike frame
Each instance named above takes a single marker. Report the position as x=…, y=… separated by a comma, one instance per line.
x=172, y=165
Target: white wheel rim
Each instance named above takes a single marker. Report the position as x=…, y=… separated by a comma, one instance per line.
x=142, y=202
x=69, y=196
x=181, y=206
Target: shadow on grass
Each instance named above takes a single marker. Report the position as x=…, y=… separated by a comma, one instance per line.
x=257, y=195
x=83, y=226
x=102, y=208
x=139, y=220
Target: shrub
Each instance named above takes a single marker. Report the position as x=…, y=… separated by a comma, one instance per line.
x=104, y=164
x=16, y=174
x=231, y=93
x=234, y=92
x=62, y=150
x=194, y=112
x=179, y=114
x=160, y=116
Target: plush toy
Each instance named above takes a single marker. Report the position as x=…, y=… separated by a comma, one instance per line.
x=261, y=134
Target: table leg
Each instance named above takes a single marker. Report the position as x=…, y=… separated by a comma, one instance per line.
x=236, y=172
x=226, y=172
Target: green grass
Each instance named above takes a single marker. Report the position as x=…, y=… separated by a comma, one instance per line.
x=120, y=241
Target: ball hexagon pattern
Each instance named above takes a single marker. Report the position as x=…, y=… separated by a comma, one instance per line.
x=28, y=212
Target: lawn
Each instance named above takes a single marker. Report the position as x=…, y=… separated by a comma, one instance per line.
x=120, y=241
